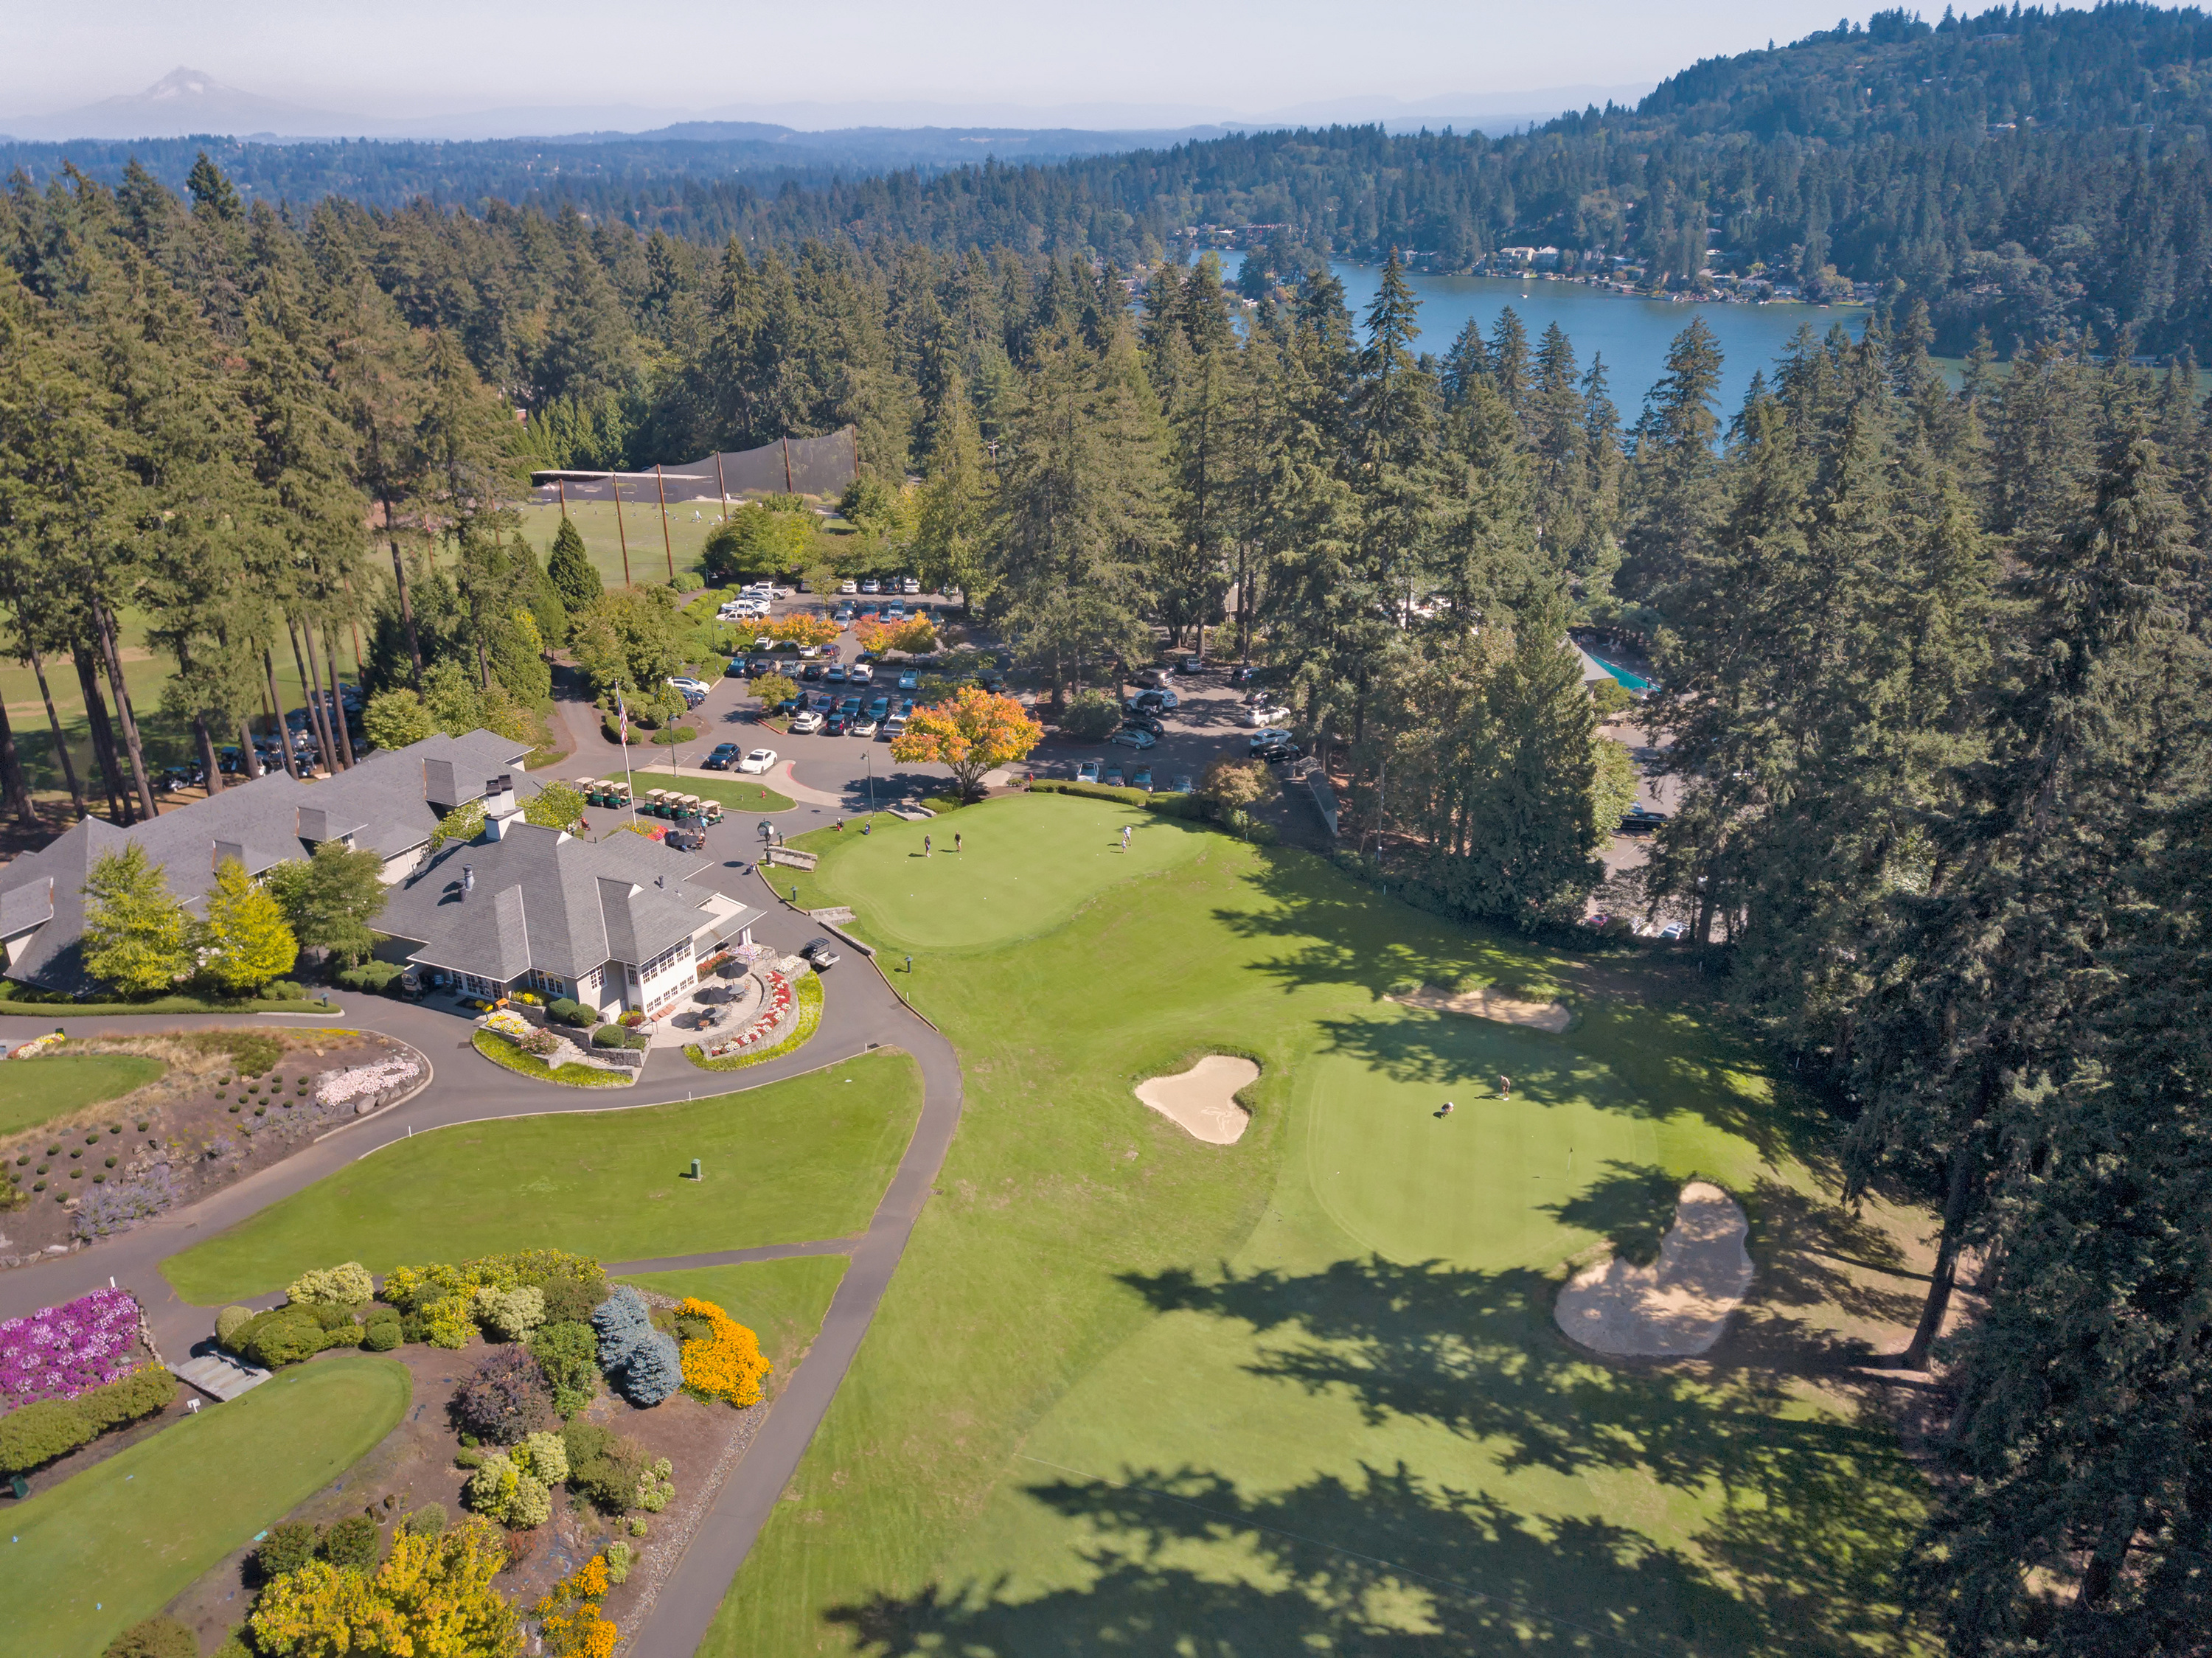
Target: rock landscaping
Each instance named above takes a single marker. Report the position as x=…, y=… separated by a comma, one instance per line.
x=227, y=1103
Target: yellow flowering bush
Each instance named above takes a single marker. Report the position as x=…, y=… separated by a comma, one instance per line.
x=726, y=1361
x=408, y=1286
x=450, y=1325
x=569, y=1615
x=432, y=1597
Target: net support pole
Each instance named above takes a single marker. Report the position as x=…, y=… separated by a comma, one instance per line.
x=787, y=489
x=667, y=546
x=721, y=486
x=615, y=478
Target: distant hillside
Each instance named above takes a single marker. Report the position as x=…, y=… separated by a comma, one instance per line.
x=2030, y=173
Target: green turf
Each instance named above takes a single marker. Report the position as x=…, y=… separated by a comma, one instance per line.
x=1130, y=1392
x=113, y=1545
x=782, y=1302
x=739, y=796
x=788, y=1162
x=37, y=1091
x=1027, y=864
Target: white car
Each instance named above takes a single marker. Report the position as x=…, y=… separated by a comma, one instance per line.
x=761, y=759
x=860, y=674
x=1265, y=714
x=807, y=723
x=1261, y=739
x=864, y=727
x=910, y=586
x=693, y=687
x=848, y=587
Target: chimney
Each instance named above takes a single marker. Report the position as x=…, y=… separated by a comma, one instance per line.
x=468, y=878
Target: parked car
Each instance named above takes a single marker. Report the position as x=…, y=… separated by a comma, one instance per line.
x=879, y=708
x=1261, y=739
x=1141, y=777
x=1182, y=785
x=908, y=680
x=811, y=671
x=818, y=955
x=1155, y=701
x=842, y=616
x=1158, y=679
x=895, y=723
x=1245, y=675
x=1113, y=777
x=1641, y=820
x=822, y=702
x=1134, y=736
x=837, y=724
x=849, y=706
x=807, y=724
x=1145, y=722
x=762, y=664
x=1087, y=772
x=860, y=674
x=720, y=759
x=1265, y=714
x=864, y=725
x=908, y=585
x=872, y=585
x=835, y=673
x=848, y=587
x=1276, y=754
x=1674, y=931
x=758, y=760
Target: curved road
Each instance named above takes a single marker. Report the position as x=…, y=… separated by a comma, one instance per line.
x=861, y=1012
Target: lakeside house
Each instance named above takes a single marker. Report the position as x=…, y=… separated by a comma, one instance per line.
x=390, y=803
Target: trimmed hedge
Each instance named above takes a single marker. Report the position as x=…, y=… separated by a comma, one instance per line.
x=376, y=978
x=1165, y=802
x=38, y=1433
x=564, y=1009
x=502, y=1051
x=615, y=1036
x=293, y=1333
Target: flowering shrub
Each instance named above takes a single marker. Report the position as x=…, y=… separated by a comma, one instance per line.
x=656, y=1486
x=447, y=1323
x=37, y=1045
x=119, y=1205
x=342, y=1286
x=510, y=1314
x=725, y=1361
x=506, y=1400
x=573, y=1285
x=59, y=1352
x=508, y=1024
x=569, y=1615
x=359, y=1081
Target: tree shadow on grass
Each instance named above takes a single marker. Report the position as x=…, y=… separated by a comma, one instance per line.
x=1632, y=1207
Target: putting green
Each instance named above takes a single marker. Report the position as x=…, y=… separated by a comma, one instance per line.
x=1026, y=865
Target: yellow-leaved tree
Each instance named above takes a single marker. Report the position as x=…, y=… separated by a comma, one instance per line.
x=431, y=1598
x=244, y=942
x=570, y=1616
x=972, y=733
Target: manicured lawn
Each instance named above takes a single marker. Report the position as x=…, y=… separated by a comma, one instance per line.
x=113, y=1545
x=1027, y=864
x=1132, y=1393
x=740, y=796
x=806, y=1159
x=37, y=1091
x=782, y=1302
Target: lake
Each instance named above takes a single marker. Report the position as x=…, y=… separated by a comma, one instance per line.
x=1632, y=335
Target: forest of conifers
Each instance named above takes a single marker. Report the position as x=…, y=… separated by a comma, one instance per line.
x=1934, y=683
x=2033, y=173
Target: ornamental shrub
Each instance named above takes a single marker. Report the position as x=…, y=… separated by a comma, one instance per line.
x=143, y=1393
x=721, y=1357
x=288, y=1547
x=654, y=1370
x=157, y=1637
x=622, y=1320
x=507, y=1398
x=566, y=1010
x=569, y=1353
x=334, y=1316
x=608, y=1036
x=425, y=1522
x=539, y=1042
x=380, y=1338
x=227, y=1322
x=39, y=1432
x=285, y=1336
x=492, y=1487
x=510, y=1314
x=374, y=977
x=656, y=1486
x=543, y=1457
x=354, y=1542
x=531, y=1504
x=619, y=1557
x=447, y=1323
x=603, y=1466
x=347, y=1284
x=411, y=1288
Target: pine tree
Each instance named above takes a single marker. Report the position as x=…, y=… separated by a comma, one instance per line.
x=570, y=570
x=1675, y=483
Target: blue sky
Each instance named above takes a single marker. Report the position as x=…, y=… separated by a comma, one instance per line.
x=1184, y=61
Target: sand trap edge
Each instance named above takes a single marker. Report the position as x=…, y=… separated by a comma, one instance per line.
x=1202, y=1100
x=1679, y=1305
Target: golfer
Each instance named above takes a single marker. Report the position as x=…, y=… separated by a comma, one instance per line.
x=1448, y=1108
x=1125, y=837
x=1505, y=1086
x=924, y=846
x=956, y=840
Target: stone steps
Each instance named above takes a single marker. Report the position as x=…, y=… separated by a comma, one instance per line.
x=219, y=1375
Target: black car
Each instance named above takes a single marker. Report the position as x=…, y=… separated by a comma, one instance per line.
x=1641, y=820
x=1275, y=753
x=1243, y=676
x=811, y=671
x=1144, y=722
x=837, y=724
x=818, y=955
x=720, y=759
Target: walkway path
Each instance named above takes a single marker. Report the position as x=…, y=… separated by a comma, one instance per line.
x=862, y=1012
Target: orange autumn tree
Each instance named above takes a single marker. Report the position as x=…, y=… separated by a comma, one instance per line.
x=721, y=1360
x=802, y=629
x=568, y=1617
x=972, y=733
x=915, y=635
x=431, y=1597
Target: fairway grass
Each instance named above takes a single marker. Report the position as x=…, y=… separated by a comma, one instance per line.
x=780, y=1302
x=1132, y=1393
x=785, y=1162
x=116, y=1543
x=39, y=1089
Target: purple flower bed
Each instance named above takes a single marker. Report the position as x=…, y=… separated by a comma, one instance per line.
x=58, y=1352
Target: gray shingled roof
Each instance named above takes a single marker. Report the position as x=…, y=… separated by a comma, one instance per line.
x=261, y=823
x=545, y=899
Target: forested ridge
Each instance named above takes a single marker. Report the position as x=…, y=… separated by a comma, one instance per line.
x=2037, y=174
x=1934, y=683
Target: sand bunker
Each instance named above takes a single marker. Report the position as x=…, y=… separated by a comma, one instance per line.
x=1676, y=1307
x=1201, y=1101
x=1487, y=1004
